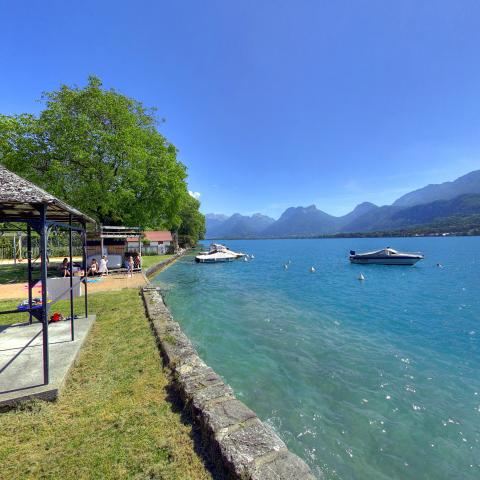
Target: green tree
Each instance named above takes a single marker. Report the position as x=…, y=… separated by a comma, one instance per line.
x=192, y=227
x=101, y=152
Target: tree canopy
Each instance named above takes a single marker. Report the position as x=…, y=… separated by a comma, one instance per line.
x=101, y=152
x=193, y=222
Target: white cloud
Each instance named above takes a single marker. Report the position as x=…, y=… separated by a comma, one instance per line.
x=194, y=194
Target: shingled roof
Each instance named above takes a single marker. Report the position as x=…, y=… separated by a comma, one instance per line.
x=18, y=198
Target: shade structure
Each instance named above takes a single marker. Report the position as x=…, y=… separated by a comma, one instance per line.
x=23, y=202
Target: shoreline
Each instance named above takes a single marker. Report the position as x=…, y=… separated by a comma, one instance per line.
x=235, y=440
x=158, y=267
x=334, y=237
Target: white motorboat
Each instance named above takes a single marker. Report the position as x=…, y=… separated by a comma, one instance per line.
x=386, y=256
x=218, y=253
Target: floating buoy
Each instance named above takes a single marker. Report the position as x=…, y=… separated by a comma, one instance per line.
x=312, y=269
x=361, y=277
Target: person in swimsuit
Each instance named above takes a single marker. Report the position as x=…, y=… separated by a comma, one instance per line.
x=93, y=268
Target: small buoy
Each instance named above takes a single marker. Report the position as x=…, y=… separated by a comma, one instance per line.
x=312, y=269
x=361, y=277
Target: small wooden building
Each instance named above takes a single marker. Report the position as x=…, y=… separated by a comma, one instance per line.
x=112, y=242
x=155, y=242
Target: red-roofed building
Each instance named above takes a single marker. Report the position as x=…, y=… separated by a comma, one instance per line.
x=158, y=242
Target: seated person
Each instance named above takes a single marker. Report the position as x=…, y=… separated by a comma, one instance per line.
x=93, y=269
x=65, y=267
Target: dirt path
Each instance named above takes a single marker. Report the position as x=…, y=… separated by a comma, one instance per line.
x=99, y=284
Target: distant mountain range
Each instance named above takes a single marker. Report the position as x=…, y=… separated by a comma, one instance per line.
x=237, y=225
x=469, y=183
x=433, y=204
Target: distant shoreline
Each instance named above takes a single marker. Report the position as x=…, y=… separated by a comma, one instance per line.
x=353, y=235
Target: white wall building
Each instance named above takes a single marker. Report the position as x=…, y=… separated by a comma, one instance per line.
x=159, y=242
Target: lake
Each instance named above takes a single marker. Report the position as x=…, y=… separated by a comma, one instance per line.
x=373, y=379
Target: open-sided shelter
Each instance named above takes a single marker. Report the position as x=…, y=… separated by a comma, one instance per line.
x=111, y=241
x=22, y=202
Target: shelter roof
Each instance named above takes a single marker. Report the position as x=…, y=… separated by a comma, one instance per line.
x=18, y=198
x=158, y=236
x=154, y=236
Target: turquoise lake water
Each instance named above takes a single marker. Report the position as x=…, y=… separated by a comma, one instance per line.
x=377, y=379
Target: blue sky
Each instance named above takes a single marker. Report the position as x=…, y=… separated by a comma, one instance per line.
x=272, y=103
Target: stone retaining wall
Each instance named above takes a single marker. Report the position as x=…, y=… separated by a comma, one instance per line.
x=158, y=266
x=238, y=443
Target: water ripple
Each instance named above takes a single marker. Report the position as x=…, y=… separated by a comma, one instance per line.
x=366, y=380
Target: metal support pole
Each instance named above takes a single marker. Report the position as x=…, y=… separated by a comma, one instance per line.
x=70, y=247
x=101, y=243
x=15, y=249
x=20, y=246
x=84, y=241
x=44, y=275
x=30, y=280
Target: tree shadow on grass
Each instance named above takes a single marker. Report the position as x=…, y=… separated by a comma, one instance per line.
x=177, y=406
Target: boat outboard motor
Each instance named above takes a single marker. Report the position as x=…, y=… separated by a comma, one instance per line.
x=352, y=252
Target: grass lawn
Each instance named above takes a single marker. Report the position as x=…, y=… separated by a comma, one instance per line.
x=15, y=273
x=18, y=273
x=113, y=419
x=149, y=260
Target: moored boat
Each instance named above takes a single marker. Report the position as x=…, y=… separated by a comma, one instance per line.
x=218, y=253
x=386, y=256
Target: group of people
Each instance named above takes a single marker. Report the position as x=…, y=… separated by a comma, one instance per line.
x=98, y=269
x=131, y=262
